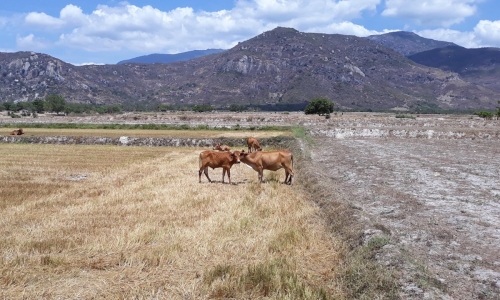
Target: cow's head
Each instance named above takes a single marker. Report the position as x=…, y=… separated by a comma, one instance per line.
x=216, y=147
x=242, y=153
x=236, y=155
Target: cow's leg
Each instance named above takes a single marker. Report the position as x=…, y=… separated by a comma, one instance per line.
x=206, y=174
x=290, y=175
x=229, y=175
x=223, y=174
x=204, y=170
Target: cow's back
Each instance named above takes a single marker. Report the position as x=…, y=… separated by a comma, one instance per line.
x=214, y=159
x=253, y=143
x=274, y=160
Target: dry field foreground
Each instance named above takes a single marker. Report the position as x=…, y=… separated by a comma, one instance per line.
x=425, y=190
x=94, y=222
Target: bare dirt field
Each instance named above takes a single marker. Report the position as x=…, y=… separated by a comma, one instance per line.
x=430, y=184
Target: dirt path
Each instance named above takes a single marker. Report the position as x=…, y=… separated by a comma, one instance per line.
x=440, y=200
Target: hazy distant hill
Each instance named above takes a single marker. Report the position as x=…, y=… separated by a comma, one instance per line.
x=407, y=43
x=281, y=69
x=168, y=58
x=479, y=65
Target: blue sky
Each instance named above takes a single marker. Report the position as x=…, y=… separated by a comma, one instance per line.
x=107, y=31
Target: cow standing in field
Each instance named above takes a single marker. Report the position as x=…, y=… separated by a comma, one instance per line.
x=212, y=159
x=17, y=132
x=220, y=147
x=272, y=160
x=253, y=144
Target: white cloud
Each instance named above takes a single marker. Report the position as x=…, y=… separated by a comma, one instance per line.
x=30, y=42
x=43, y=20
x=485, y=34
x=431, y=12
x=347, y=28
x=301, y=14
x=488, y=32
x=73, y=15
x=147, y=29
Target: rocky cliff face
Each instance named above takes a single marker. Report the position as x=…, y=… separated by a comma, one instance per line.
x=282, y=67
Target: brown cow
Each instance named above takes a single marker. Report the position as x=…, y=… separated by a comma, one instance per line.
x=220, y=147
x=253, y=144
x=213, y=159
x=17, y=132
x=270, y=160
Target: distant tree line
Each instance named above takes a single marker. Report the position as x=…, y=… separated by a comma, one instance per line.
x=57, y=104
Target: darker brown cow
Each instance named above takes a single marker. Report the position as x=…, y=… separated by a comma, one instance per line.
x=220, y=147
x=213, y=159
x=270, y=160
x=253, y=144
x=17, y=132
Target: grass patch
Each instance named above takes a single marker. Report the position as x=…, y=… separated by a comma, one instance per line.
x=360, y=276
x=274, y=280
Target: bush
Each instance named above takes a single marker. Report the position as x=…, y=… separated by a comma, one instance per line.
x=203, y=108
x=237, y=108
x=404, y=117
x=320, y=106
x=484, y=114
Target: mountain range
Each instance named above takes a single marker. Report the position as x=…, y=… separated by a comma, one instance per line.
x=279, y=69
x=168, y=58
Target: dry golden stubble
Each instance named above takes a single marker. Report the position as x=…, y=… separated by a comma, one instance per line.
x=122, y=222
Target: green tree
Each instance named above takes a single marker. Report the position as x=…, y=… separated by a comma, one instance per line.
x=55, y=103
x=498, y=111
x=237, y=108
x=203, y=108
x=320, y=106
x=39, y=105
x=9, y=106
x=485, y=114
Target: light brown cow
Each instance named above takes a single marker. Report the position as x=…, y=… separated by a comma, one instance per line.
x=213, y=159
x=253, y=144
x=17, y=132
x=220, y=147
x=270, y=160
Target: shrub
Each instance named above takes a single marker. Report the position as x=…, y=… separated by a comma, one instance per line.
x=203, y=108
x=320, y=106
x=485, y=114
x=237, y=108
x=404, y=117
